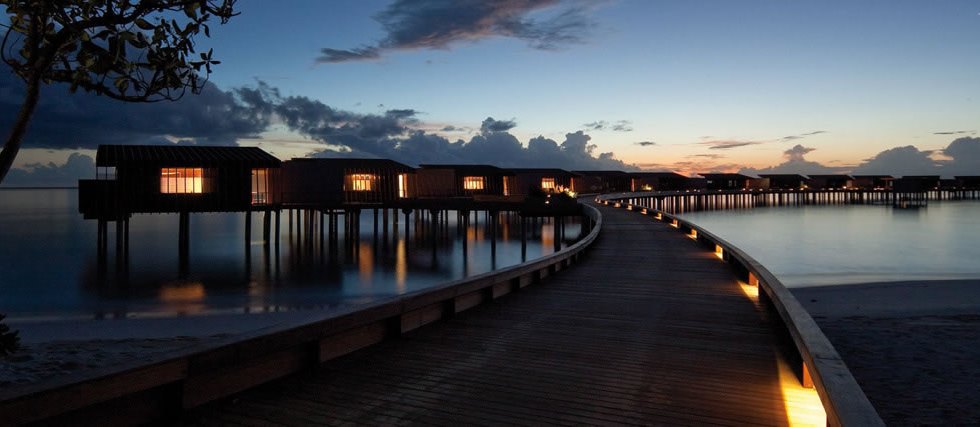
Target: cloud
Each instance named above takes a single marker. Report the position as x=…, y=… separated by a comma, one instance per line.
x=83, y=120
x=645, y=143
x=796, y=164
x=596, y=125
x=708, y=156
x=491, y=125
x=52, y=175
x=956, y=132
x=727, y=144
x=440, y=24
x=802, y=135
x=623, y=126
x=796, y=153
x=907, y=160
x=618, y=126
x=965, y=154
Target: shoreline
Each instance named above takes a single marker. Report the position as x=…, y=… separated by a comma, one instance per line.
x=911, y=345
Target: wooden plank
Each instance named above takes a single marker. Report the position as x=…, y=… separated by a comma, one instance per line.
x=350, y=341
x=649, y=328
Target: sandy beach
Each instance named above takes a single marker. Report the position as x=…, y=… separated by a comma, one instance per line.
x=57, y=348
x=912, y=346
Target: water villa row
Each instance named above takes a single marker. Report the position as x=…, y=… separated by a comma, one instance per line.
x=157, y=179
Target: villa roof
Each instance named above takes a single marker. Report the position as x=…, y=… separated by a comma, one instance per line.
x=482, y=170
x=357, y=163
x=183, y=156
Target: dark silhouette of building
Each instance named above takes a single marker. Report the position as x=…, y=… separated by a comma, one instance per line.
x=830, y=181
x=178, y=178
x=549, y=180
x=657, y=181
x=784, y=181
x=873, y=182
x=725, y=181
x=336, y=182
x=601, y=181
x=462, y=181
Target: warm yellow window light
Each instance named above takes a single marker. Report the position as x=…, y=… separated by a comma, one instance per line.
x=182, y=180
x=360, y=182
x=547, y=183
x=402, y=186
x=473, y=182
x=260, y=186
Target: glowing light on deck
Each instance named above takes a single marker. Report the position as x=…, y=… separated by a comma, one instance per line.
x=719, y=252
x=803, y=407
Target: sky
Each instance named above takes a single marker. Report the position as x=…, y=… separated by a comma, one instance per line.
x=689, y=86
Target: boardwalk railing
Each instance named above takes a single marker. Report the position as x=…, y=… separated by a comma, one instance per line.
x=822, y=367
x=194, y=376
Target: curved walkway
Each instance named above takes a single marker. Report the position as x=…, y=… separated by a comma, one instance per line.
x=649, y=329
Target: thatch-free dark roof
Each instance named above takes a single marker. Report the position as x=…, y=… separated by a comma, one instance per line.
x=183, y=156
x=603, y=173
x=545, y=171
x=724, y=176
x=476, y=170
x=358, y=164
x=662, y=174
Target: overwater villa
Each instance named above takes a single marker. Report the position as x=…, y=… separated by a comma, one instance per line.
x=787, y=181
x=600, y=181
x=527, y=180
x=968, y=182
x=336, y=182
x=178, y=178
x=830, y=181
x=725, y=181
x=657, y=181
x=462, y=181
x=873, y=182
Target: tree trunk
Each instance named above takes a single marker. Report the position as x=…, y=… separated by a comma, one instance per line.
x=12, y=146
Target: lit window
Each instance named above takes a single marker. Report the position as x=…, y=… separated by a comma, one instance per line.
x=547, y=183
x=473, y=182
x=260, y=186
x=402, y=186
x=182, y=180
x=360, y=182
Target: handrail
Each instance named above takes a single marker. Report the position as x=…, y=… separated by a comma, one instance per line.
x=196, y=375
x=842, y=398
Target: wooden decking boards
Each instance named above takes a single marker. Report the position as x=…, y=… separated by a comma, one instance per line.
x=649, y=329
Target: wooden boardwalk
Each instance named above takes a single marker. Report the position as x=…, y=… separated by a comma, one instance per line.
x=649, y=329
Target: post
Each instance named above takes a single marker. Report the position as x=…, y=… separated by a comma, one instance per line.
x=248, y=229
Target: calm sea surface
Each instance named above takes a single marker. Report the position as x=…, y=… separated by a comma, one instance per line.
x=49, y=268
x=830, y=245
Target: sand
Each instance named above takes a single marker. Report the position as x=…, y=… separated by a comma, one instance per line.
x=56, y=348
x=912, y=346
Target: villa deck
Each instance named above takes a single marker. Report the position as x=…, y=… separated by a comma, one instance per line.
x=649, y=329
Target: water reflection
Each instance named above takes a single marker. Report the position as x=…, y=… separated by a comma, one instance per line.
x=49, y=265
x=827, y=245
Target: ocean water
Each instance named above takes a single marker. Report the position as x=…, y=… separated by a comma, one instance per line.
x=834, y=245
x=49, y=265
